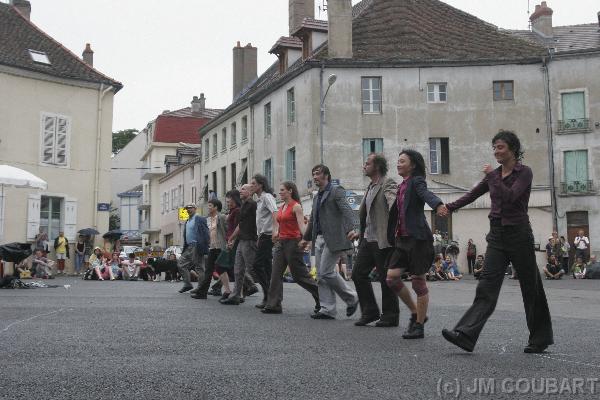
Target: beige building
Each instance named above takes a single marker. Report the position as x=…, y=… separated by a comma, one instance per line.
x=56, y=112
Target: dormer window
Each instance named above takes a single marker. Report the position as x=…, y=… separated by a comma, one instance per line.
x=39, y=57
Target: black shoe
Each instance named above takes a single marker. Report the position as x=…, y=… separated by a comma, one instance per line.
x=201, y=296
x=261, y=305
x=417, y=331
x=215, y=292
x=535, y=348
x=225, y=296
x=242, y=300
x=383, y=323
x=413, y=321
x=320, y=315
x=252, y=291
x=317, y=308
x=271, y=310
x=350, y=310
x=194, y=291
x=233, y=300
x=458, y=339
x=365, y=320
x=185, y=289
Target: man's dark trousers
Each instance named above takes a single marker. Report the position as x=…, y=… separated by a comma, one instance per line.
x=505, y=244
x=261, y=270
x=369, y=256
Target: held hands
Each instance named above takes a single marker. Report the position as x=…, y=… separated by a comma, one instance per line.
x=304, y=244
x=442, y=211
x=487, y=168
x=353, y=235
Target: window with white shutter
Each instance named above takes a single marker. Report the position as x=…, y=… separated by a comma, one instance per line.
x=33, y=216
x=54, y=140
x=70, y=228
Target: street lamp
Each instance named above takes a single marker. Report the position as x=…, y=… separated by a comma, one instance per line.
x=330, y=81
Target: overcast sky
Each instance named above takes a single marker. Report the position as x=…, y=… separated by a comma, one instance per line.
x=165, y=52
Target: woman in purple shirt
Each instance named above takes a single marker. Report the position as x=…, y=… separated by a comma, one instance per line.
x=510, y=240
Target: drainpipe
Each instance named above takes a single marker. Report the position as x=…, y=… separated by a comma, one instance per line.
x=321, y=110
x=250, y=165
x=101, y=93
x=550, y=135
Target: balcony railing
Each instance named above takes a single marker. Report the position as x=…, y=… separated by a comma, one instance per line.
x=577, y=187
x=575, y=125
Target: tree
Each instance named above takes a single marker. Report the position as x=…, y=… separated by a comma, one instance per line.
x=121, y=138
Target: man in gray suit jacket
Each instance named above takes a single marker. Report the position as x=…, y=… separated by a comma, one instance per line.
x=374, y=247
x=331, y=226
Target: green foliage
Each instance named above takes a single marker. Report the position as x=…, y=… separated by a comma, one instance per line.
x=121, y=138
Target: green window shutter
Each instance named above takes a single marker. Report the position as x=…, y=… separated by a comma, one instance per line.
x=573, y=106
x=378, y=145
x=576, y=166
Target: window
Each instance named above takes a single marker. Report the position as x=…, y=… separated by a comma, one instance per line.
x=223, y=140
x=573, y=112
x=180, y=195
x=503, y=90
x=194, y=197
x=214, y=182
x=39, y=57
x=243, y=178
x=233, y=175
x=576, y=171
x=173, y=198
x=267, y=112
x=437, y=92
x=291, y=106
x=50, y=215
x=290, y=164
x=206, y=149
x=371, y=95
x=223, y=181
x=372, y=146
x=55, y=140
x=268, y=171
x=205, y=187
x=244, y=129
x=192, y=171
x=439, y=156
x=233, y=135
x=214, y=145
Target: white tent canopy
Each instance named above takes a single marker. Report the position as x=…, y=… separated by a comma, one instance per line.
x=12, y=176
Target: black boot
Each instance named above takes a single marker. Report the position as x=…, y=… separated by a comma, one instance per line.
x=416, y=331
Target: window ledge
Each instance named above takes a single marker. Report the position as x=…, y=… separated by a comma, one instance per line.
x=233, y=147
x=244, y=141
x=573, y=131
x=223, y=151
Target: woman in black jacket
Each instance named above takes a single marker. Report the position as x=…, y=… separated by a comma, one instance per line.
x=412, y=238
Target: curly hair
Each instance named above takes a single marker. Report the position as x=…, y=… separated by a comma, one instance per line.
x=512, y=140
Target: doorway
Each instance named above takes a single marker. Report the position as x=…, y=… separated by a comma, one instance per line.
x=576, y=221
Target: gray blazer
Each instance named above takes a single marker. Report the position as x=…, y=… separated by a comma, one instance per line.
x=383, y=200
x=336, y=220
x=221, y=231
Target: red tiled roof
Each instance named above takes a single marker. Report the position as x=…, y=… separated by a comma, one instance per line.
x=171, y=129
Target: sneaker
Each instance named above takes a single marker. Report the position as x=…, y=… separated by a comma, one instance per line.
x=417, y=331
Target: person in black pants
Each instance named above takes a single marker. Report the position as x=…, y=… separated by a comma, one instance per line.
x=374, y=247
x=266, y=210
x=510, y=240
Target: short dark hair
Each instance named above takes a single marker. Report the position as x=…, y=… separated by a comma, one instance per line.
x=131, y=255
x=216, y=203
x=263, y=182
x=323, y=169
x=512, y=140
x=416, y=159
x=380, y=163
x=235, y=196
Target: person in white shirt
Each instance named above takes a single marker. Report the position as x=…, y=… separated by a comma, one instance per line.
x=581, y=245
x=131, y=268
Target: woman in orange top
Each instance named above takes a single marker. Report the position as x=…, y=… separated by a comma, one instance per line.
x=288, y=229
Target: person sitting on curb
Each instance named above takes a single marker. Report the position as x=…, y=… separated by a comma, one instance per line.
x=451, y=269
x=42, y=265
x=97, y=261
x=478, y=268
x=131, y=268
x=553, y=269
x=578, y=269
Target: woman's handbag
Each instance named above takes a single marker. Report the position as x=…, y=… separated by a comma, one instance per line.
x=226, y=258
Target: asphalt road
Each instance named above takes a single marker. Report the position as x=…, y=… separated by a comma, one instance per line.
x=134, y=340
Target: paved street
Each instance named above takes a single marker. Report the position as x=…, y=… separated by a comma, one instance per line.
x=101, y=340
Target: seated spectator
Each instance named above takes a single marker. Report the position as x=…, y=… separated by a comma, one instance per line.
x=115, y=266
x=131, y=268
x=451, y=269
x=592, y=270
x=478, y=268
x=553, y=269
x=436, y=273
x=578, y=269
x=41, y=265
x=97, y=264
x=24, y=269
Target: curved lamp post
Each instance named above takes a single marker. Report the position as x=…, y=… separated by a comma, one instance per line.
x=330, y=81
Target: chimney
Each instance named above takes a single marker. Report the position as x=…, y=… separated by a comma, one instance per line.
x=244, y=67
x=340, y=28
x=198, y=103
x=541, y=20
x=300, y=9
x=88, y=55
x=23, y=6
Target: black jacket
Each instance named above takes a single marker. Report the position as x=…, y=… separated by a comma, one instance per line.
x=414, y=202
